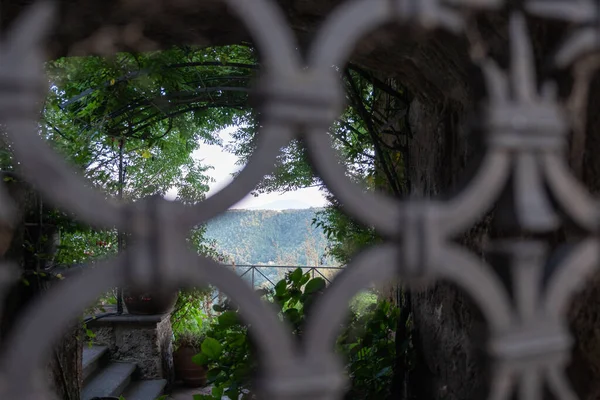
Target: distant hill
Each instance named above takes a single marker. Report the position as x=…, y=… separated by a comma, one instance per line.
x=283, y=205
x=284, y=237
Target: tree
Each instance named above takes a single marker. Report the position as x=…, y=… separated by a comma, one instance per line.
x=157, y=107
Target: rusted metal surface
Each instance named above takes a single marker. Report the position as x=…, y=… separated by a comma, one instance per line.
x=526, y=129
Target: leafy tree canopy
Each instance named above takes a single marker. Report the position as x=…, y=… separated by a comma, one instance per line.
x=146, y=113
x=159, y=106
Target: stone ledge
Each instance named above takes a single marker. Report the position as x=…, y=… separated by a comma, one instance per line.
x=145, y=340
x=113, y=319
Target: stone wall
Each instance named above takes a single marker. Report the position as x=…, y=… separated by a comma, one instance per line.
x=144, y=340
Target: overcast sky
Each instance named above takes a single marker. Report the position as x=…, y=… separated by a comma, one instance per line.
x=224, y=165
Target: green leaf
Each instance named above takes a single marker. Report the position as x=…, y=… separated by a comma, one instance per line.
x=200, y=359
x=314, y=285
x=146, y=154
x=237, y=339
x=212, y=348
x=241, y=373
x=305, y=278
x=293, y=315
x=296, y=276
x=228, y=319
x=213, y=373
x=280, y=287
x=295, y=294
x=232, y=391
x=282, y=299
x=217, y=392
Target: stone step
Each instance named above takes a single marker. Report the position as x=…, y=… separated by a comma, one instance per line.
x=92, y=360
x=109, y=381
x=145, y=390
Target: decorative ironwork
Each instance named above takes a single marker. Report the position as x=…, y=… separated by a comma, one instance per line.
x=526, y=135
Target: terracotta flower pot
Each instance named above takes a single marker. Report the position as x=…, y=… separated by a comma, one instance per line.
x=146, y=303
x=191, y=374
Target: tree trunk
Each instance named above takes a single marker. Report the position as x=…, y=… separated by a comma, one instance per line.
x=447, y=325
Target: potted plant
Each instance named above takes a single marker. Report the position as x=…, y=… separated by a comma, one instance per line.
x=149, y=303
x=187, y=345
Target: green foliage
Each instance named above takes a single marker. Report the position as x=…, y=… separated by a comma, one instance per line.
x=203, y=245
x=159, y=106
x=85, y=245
x=188, y=317
x=190, y=339
x=367, y=341
x=370, y=350
x=350, y=133
x=155, y=109
x=228, y=351
x=345, y=236
x=363, y=302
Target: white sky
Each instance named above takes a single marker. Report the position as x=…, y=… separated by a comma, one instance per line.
x=224, y=164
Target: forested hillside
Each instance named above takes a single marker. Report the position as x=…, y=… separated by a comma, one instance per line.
x=268, y=236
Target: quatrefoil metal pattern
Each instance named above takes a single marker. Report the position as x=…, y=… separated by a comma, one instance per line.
x=526, y=135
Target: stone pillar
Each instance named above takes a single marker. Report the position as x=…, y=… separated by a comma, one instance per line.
x=146, y=340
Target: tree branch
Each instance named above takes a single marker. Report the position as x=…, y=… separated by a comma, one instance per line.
x=240, y=106
x=362, y=111
x=378, y=83
x=136, y=74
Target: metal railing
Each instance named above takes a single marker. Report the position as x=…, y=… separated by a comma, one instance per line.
x=254, y=270
x=256, y=277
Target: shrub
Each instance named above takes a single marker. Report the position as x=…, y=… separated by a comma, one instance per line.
x=367, y=342
x=188, y=315
x=190, y=339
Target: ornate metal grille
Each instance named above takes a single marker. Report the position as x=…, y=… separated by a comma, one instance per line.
x=526, y=130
